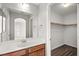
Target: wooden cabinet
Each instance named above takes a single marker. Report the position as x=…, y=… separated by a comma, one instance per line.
x=18, y=53
x=41, y=52
x=38, y=50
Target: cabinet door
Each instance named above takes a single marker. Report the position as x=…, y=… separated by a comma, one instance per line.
x=38, y=50
x=24, y=52
x=41, y=52
x=35, y=48
x=33, y=54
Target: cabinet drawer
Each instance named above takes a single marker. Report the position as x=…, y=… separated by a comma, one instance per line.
x=35, y=48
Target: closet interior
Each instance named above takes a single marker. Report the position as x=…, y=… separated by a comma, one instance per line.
x=63, y=29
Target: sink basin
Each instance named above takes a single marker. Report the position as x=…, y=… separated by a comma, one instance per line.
x=23, y=43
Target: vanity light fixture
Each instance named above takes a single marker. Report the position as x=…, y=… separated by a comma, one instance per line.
x=24, y=6
x=66, y=4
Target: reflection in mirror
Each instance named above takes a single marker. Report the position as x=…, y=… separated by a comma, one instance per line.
x=2, y=26
x=20, y=26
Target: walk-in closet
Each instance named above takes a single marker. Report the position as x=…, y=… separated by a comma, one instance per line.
x=63, y=29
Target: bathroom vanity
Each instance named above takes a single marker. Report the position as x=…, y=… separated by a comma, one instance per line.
x=19, y=48
x=38, y=50
x=19, y=25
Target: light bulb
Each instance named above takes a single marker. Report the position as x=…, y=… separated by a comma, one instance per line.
x=24, y=6
x=66, y=4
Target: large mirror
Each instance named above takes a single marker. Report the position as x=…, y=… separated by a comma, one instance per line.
x=16, y=25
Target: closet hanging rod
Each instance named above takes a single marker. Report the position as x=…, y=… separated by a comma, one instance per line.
x=64, y=24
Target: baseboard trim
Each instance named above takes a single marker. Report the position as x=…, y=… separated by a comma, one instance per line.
x=57, y=46
x=70, y=46
x=63, y=45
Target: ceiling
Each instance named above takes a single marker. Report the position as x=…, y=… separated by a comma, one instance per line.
x=61, y=10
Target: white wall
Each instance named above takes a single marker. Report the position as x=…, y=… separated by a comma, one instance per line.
x=57, y=36
x=56, y=18
x=70, y=35
x=78, y=29
x=44, y=26
x=70, y=32
x=70, y=19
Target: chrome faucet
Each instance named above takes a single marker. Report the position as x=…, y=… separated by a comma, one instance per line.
x=23, y=41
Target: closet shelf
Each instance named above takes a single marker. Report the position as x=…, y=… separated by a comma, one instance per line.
x=62, y=24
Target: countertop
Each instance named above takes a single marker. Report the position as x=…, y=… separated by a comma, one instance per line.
x=14, y=45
